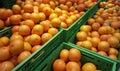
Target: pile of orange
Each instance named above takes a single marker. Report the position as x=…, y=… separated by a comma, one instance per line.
x=101, y=33
x=34, y=23
x=69, y=60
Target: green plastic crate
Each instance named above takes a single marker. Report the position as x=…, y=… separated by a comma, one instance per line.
x=72, y=38
x=6, y=32
x=38, y=56
x=101, y=63
x=72, y=29
x=82, y=20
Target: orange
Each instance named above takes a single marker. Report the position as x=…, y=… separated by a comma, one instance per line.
x=90, y=21
x=38, y=29
x=35, y=9
x=27, y=46
x=52, y=4
x=47, y=10
x=6, y=66
x=34, y=48
x=53, y=15
x=35, y=17
x=23, y=56
x=45, y=37
x=69, y=21
x=53, y=31
x=46, y=25
x=56, y=22
x=28, y=8
x=34, y=39
x=73, y=17
x=2, y=24
x=5, y=40
x=69, y=3
x=16, y=46
x=58, y=11
x=71, y=9
x=26, y=16
x=42, y=16
x=24, y=30
x=62, y=1
x=15, y=19
x=88, y=67
x=64, y=7
x=16, y=9
x=63, y=25
x=29, y=22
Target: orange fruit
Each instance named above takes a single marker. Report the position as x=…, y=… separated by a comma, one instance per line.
x=2, y=24
x=69, y=3
x=28, y=8
x=27, y=46
x=16, y=37
x=87, y=44
x=45, y=37
x=38, y=29
x=58, y=11
x=35, y=9
x=15, y=19
x=3, y=13
x=34, y=48
x=52, y=4
x=64, y=54
x=4, y=53
x=81, y=36
x=69, y=21
x=90, y=21
x=29, y=22
x=47, y=10
x=56, y=22
x=42, y=16
x=9, y=12
x=46, y=25
x=88, y=67
x=16, y=47
x=35, y=17
x=62, y=1
x=24, y=30
x=34, y=39
x=5, y=40
x=23, y=56
x=59, y=65
x=73, y=17
x=103, y=46
x=16, y=9
x=53, y=15
x=81, y=7
x=63, y=25
x=26, y=16
x=74, y=54
x=53, y=31
x=72, y=65
x=64, y=7
x=6, y=66
x=71, y=9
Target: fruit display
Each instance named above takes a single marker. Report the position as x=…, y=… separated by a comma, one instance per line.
x=69, y=60
x=60, y=13
x=34, y=22
x=70, y=57
x=101, y=33
x=31, y=31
